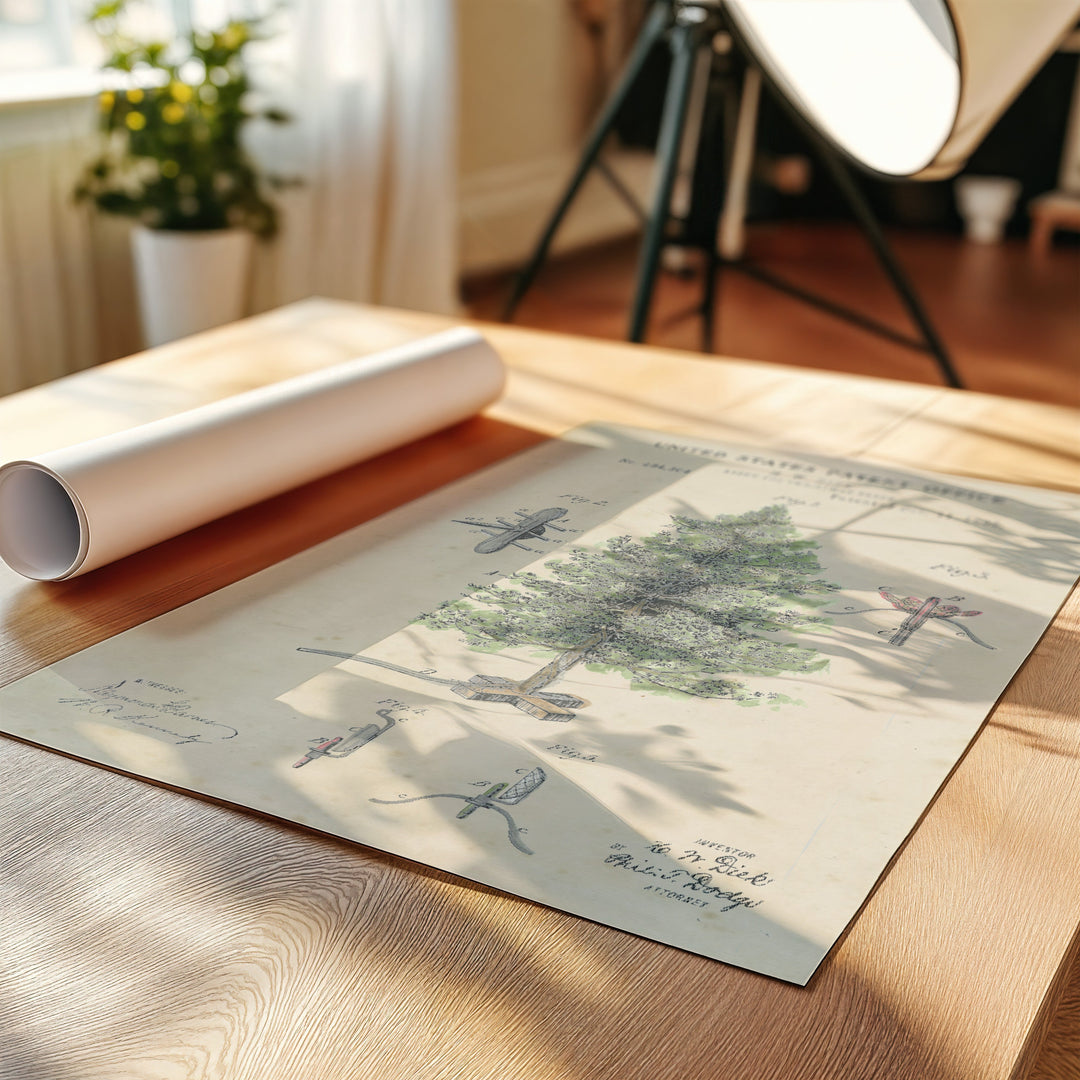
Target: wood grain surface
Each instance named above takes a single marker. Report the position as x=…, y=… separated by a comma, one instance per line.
x=155, y=935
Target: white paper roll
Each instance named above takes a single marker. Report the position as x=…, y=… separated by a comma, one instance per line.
x=69, y=511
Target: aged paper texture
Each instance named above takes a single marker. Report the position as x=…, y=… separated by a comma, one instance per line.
x=697, y=692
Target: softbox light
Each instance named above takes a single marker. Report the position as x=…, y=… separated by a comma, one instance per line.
x=906, y=88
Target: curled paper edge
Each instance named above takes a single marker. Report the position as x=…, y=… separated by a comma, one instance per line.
x=69, y=511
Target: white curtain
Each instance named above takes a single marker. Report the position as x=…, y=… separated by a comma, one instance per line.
x=48, y=314
x=372, y=88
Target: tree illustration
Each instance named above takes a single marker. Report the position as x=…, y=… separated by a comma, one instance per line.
x=686, y=610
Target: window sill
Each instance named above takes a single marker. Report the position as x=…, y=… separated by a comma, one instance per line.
x=55, y=86
x=47, y=87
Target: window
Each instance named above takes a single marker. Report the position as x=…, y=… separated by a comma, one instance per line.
x=36, y=34
x=47, y=51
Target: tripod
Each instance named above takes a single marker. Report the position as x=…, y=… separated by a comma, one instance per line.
x=690, y=27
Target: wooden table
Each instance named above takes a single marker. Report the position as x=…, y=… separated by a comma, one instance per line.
x=150, y=934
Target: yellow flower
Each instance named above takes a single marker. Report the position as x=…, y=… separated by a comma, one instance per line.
x=135, y=121
x=172, y=113
x=135, y=96
x=170, y=168
x=233, y=36
x=181, y=91
x=106, y=100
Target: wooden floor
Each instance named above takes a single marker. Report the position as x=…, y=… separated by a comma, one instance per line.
x=1010, y=320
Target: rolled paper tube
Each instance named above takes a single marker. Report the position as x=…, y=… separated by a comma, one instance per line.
x=69, y=511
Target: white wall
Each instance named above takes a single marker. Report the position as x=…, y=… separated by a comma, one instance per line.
x=527, y=91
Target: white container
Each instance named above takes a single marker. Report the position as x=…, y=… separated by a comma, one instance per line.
x=986, y=203
x=189, y=281
x=70, y=510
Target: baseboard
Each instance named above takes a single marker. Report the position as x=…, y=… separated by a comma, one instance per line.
x=503, y=209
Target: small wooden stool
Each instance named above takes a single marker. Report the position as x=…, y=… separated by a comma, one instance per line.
x=1049, y=212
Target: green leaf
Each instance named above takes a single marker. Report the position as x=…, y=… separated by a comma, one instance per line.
x=678, y=612
x=202, y=139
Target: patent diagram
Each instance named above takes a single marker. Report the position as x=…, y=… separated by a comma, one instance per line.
x=528, y=695
x=656, y=720
x=341, y=746
x=919, y=612
x=496, y=797
x=686, y=610
x=531, y=525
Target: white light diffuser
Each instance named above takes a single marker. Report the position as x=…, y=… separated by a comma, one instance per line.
x=908, y=88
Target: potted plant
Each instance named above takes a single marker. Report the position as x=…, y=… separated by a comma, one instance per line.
x=172, y=158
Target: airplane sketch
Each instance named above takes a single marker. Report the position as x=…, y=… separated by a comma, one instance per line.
x=919, y=612
x=503, y=534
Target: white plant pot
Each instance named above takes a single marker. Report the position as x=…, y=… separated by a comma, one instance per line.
x=986, y=203
x=189, y=281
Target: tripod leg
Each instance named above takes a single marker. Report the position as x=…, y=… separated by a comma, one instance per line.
x=731, y=233
x=652, y=31
x=727, y=203
x=694, y=128
x=686, y=38
x=709, y=301
x=869, y=223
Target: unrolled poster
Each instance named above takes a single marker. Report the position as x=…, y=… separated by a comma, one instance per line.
x=697, y=692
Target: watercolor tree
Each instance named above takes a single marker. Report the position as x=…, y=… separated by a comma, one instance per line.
x=686, y=610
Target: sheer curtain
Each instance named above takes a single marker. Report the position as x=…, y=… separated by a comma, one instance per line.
x=372, y=88
x=48, y=318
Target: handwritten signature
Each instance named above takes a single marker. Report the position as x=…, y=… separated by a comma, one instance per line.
x=118, y=700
